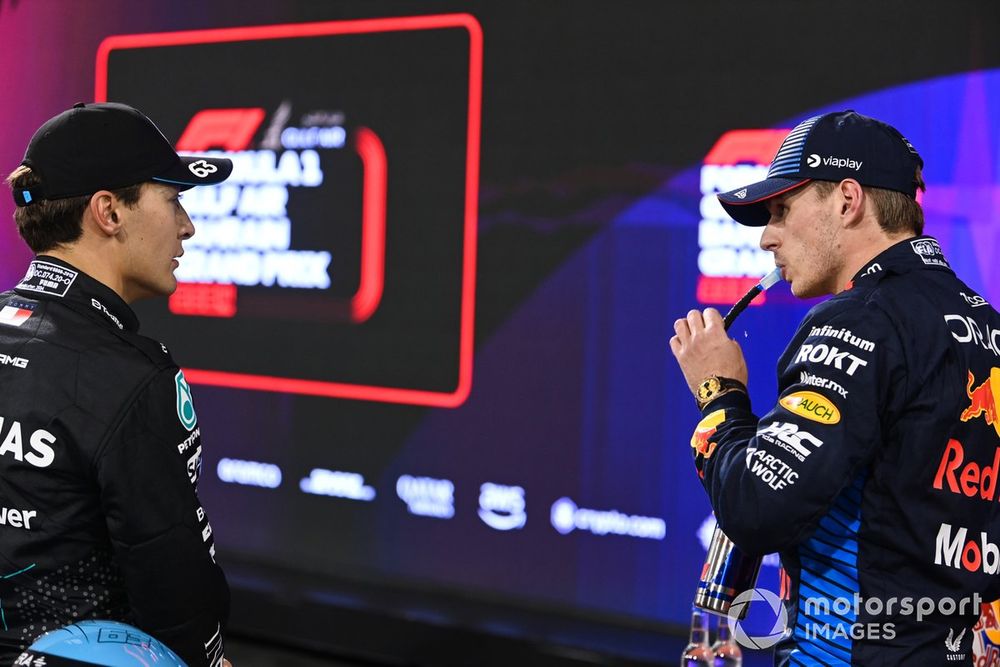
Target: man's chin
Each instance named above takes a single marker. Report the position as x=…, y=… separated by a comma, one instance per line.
x=805, y=291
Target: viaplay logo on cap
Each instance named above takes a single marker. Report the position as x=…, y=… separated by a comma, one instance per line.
x=815, y=160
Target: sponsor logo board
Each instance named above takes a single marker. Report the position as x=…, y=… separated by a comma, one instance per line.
x=566, y=517
x=427, y=496
x=502, y=507
x=337, y=484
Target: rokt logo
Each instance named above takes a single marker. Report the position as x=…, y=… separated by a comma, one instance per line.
x=829, y=356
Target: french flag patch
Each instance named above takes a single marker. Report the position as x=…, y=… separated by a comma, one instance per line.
x=16, y=313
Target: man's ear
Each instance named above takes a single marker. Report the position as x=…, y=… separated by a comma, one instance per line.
x=103, y=209
x=852, y=202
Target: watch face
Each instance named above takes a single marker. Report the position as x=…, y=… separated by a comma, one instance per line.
x=709, y=388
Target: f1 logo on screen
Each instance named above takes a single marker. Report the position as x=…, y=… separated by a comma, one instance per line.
x=339, y=258
x=729, y=259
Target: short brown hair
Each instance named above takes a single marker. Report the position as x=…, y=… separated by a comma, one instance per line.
x=47, y=223
x=896, y=211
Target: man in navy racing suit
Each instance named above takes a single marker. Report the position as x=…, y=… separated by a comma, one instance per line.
x=100, y=447
x=875, y=475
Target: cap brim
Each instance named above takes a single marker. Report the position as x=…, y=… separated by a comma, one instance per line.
x=746, y=205
x=194, y=170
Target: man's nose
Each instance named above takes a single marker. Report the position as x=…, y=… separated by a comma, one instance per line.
x=187, y=227
x=769, y=239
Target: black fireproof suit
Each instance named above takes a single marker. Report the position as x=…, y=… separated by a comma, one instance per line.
x=876, y=475
x=100, y=453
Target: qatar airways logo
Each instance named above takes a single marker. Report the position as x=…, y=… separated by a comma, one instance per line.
x=953, y=548
x=815, y=160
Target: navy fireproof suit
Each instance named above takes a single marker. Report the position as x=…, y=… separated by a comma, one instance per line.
x=876, y=475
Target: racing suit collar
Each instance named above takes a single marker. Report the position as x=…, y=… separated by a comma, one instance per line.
x=52, y=278
x=912, y=254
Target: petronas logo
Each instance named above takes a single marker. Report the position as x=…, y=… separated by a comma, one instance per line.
x=185, y=405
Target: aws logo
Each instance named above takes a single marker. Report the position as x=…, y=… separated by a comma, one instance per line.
x=812, y=406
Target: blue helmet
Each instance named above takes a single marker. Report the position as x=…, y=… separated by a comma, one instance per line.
x=105, y=643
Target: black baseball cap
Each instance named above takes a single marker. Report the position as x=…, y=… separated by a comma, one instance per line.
x=107, y=146
x=831, y=147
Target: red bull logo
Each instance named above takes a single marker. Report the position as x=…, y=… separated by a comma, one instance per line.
x=983, y=400
x=986, y=637
x=703, y=432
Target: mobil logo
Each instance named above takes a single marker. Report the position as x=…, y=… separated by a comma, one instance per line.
x=953, y=548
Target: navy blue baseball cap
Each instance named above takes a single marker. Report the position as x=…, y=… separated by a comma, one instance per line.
x=831, y=147
x=107, y=146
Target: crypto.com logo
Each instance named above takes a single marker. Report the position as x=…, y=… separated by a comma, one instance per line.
x=777, y=608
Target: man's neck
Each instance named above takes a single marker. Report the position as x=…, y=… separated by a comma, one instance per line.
x=98, y=266
x=863, y=250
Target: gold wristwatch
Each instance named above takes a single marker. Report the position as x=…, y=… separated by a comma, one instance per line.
x=714, y=386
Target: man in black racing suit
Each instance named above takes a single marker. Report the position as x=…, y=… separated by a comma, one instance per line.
x=100, y=447
x=875, y=476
